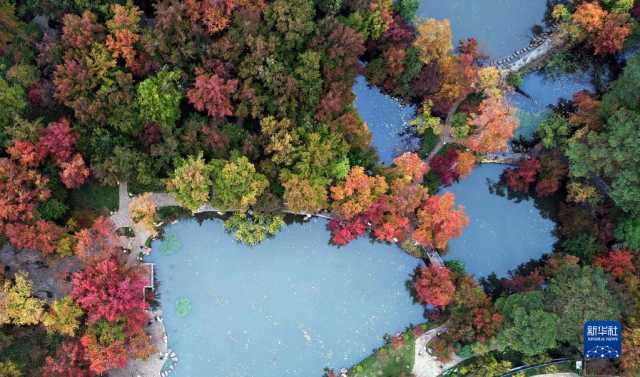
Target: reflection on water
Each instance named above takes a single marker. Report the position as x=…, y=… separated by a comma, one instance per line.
x=288, y=307
x=387, y=120
x=500, y=26
x=543, y=91
x=502, y=233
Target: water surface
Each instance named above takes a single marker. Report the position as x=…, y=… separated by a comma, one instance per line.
x=387, y=119
x=500, y=26
x=288, y=307
x=502, y=233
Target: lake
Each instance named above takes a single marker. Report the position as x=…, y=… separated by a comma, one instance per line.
x=288, y=307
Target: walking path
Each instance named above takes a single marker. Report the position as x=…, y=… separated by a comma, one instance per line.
x=425, y=364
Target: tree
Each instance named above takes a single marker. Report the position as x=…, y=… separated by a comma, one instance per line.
x=58, y=139
x=236, y=184
x=212, y=92
x=631, y=349
x=108, y=290
x=492, y=126
x=74, y=173
x=78, y=32
x=611, y=154
x=438, y=221
x=304, y=194
x=63, y=317
x=42, y=236
x=253, y=229
x=433, y=285
x=142, y=210
x=521, y=178
x=98, y=242
x=159, y=98
x=13, y=102
x=565, y=295
x=433, y=40
x=357, y=193
x=615, y=31
x=17, y=306
x=215, y=16
x=590, y=16
x=473, y=317
x=9, y=369
x=123, y=29
x=407, y=9
x=103, y=351
x=70, y=360
x=628, y=230
x=616, y=262
x=527, y=328
x=426, y=120
x=191, y=182
x=141, y=347
x=411, y=166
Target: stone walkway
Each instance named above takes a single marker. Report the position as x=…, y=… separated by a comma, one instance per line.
x=425, y=364
x=152, y=366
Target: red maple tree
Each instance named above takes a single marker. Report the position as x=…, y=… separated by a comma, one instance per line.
x=616, y=262
x=59, y=139
x=108, y=290
x=70, y=360
x=74, y=173
x=433, y=285
x=212, y=92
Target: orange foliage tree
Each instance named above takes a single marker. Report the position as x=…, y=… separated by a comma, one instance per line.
x=433, y=40
x=590, y=16
x=492, y=126
x=357, y=193
x=439, y=221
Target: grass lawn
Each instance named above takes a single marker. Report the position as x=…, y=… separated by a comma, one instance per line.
x=93, y=200
x=390, y=362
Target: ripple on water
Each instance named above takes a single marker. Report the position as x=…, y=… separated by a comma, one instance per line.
x=289, y=307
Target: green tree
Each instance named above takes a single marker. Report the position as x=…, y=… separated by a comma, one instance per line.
x=578, y=294
x=236, y=184
x=191, y=182
x=13, y=102
x=407, y=8
x=16, y=304
x=159, y=98
x=554, y=130
x=613, y=154
x=255, y=228
x=628, y=230
x=527, y=328
x=63, y=317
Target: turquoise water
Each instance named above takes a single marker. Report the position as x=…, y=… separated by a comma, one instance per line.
x=386, y=118
x=288, y=307
x=500, y=26
x=544, y=91
x=502, y=233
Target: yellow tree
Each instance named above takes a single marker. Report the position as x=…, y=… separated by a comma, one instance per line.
x=63, y=317
x=142, y=210
x=433, y=40
x=16, y=304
